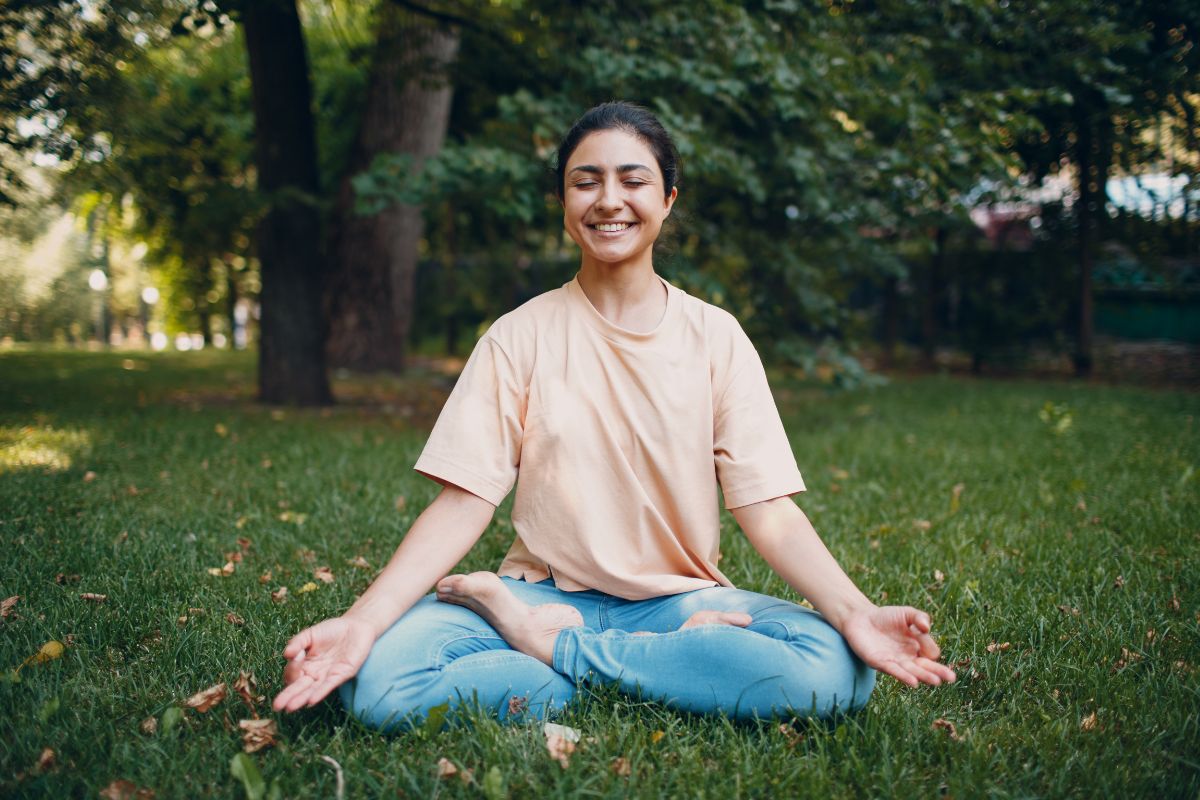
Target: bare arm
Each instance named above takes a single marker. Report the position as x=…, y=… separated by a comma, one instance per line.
x=893, y=639
x=324, y=656
x=437, y=540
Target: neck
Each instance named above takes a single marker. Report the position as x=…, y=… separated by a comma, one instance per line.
x=629, y=295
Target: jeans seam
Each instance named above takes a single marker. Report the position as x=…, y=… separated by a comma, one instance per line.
x=438, y=660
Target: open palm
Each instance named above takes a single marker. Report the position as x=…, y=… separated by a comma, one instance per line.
x=322, y=658
x=896, y=640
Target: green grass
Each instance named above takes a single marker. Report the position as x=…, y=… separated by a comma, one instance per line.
x=1045, y=527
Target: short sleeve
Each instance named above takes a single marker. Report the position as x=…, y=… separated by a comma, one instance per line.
x=476, y=441
x=753, y=457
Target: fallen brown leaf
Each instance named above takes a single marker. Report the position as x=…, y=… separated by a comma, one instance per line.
x=1119, y=582
x=243, y=542
x=517, y=704
x=93, y=597
x=306, y=588
x=1074, y=612
x=323, y=574
x=1173, y=603
x=947, y=726
x=62, y=579
x=224, y=571
x=246, y=686
x=266, y=577
x=657, y=736
x=149, y=726
x=401, y=502
x=89, y=476
x=922, y=524
x=358, y=561
x=446, y=768
x=620, y=766
x=258, y=733
x=1088, y=722
x=280, y=594
x=234, y=619
x=45, y=760
x=793, y=736
x=6, y=605
x=203, y=701
x=1001, y=647
x=126, y=790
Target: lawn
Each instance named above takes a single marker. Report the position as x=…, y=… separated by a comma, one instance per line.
x=1051, y=529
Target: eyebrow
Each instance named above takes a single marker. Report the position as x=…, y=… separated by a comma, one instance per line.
x=620, y=170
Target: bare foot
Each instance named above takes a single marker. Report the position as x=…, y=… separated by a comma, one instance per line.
x=528, y=629
x=717, y=618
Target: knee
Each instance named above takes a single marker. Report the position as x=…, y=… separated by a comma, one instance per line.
x=834, y=679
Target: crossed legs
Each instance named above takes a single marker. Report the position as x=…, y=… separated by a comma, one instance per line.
x=514, y=646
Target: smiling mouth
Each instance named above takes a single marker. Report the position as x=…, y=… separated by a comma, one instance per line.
x=611, y=227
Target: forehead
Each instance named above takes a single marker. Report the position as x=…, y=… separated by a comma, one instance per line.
x=610, y=148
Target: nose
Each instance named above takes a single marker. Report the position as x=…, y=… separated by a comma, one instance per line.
x=610, y=197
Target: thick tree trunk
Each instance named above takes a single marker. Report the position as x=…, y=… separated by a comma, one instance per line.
x=370, y=294
x=291, y=359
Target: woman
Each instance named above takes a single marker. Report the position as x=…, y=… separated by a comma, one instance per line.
x=619, y=402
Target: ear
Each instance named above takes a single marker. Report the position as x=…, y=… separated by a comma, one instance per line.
x=669, y=201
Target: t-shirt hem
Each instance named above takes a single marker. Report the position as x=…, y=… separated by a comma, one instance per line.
x=763, y=491
x=441, y=469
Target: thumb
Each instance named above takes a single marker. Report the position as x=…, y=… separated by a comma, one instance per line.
x=298, y=644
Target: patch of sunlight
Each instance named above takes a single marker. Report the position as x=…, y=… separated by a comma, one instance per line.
x=41, y=446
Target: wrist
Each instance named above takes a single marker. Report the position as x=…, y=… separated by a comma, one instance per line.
x=845, y=609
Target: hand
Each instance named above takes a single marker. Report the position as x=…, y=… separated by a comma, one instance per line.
x=322, y=658
x=896, y=640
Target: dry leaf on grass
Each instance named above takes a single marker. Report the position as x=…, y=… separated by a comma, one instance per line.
x=1173, y=603
x=306, y=588
x=1001, y=647
x=246, y=686
x=89, y=476
x=265, y=577
x=947, y=726
x=657, y=737
x=63, y=579
x=222, y=572
x=243, y=542
x=258, y=733
x=793, y=736
x=620, y=766
x=48, y=652
x=126, y=790
x=45, y=760
x=234, y=619
x=280, y=594
x=6, y=605
x=1074, y=612
x=149, y=726
x=1089, y=722
x=203, y=701
x=93, y=597
x=517, y=704
x=323, y=574
x=358, y=561
x=1119, y=583
x=446, y=768
x=922, y=524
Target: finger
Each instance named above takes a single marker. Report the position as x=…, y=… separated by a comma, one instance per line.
x=293, y=669
x=298, y=644
x=284, y=699
x=923, y=674
x=918, y=618
x=928, y=647
x=300, y=699
x=899, y=673
x=322, y=690
x=944, y=672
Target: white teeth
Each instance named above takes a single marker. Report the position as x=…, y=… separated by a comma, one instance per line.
x=612, y=227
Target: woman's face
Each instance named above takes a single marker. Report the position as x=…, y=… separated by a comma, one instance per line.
x=613, y=201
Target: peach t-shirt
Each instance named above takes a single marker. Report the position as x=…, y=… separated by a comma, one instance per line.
x=615, y=439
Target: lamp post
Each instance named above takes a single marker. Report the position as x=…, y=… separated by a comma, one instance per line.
x=98, y=282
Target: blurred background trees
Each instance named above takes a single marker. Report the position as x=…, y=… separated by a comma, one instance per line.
x=900, y=176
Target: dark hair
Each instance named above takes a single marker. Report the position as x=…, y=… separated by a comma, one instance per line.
x=629, y=117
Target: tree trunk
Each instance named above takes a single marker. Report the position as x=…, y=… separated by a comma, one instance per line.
x=931, y=297
x=1093, y=157
x=291, y=358
x=370, y=294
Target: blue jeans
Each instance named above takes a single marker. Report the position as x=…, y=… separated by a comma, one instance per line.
x=789, y=661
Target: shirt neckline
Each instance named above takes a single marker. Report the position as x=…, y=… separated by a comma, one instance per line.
x=610, y=329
